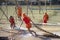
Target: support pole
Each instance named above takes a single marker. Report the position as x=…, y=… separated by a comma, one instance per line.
x=44, y=30
x=4, y=13
x=6, y=7
x=45, y=6
x=16, y=12
x=32, y=11
x=39, y=5
x=16, y=8
x=27, y=5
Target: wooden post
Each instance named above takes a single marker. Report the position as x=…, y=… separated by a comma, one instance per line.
x=27, y=6
x=45, y=6
x=6, y=7
x=39, y=5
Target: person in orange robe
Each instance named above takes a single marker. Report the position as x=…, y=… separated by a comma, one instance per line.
x=45, y=18
x=12, y=22
x=19, y=11
x=27, y=21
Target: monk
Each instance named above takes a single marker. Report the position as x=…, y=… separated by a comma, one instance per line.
x=12, y=22
x=45, y=18
x=19, y=11
x=27, y=22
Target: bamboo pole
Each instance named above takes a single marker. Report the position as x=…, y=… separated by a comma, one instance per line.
x=6, y=8
x=45, y=6
x=4, y=13
x=45, y=30
x=27, y=5
x=32, y=11
x=39, y=5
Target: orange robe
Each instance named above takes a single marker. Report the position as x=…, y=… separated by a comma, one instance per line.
x=27, y=21
x=12, y=22
x=19, y=11
x=45, y=18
